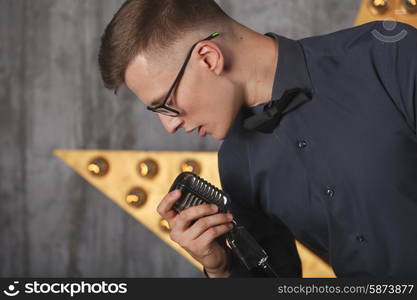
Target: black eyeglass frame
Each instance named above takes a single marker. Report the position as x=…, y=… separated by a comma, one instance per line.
x=165, y=109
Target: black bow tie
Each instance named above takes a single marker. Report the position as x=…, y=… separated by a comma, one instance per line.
x=272, y=113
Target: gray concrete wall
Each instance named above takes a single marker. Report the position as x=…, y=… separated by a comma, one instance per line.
x=53, y=223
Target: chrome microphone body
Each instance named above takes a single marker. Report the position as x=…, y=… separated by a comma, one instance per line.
x=197, y=191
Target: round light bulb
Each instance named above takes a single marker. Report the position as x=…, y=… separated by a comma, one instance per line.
x=136, y=197
x=410, y=6
x=147, y=168
x=190, y=166
x=379, y=6
x=98, y=166
x=164, y=225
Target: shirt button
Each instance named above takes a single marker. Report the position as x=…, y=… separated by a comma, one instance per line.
x=301, y=144
x=329, y=192
x=360, y=238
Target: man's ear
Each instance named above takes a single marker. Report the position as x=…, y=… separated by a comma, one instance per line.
x=211, y=57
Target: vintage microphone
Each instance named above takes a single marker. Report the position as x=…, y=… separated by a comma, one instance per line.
x=196, y=191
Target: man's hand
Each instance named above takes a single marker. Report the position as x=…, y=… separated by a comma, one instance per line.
x=196, y=229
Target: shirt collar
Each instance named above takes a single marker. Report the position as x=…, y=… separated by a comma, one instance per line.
x=291, y=71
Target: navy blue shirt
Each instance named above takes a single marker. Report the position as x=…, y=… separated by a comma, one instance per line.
x=339, y=173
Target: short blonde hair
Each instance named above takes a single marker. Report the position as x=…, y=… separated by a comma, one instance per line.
x=141, y=25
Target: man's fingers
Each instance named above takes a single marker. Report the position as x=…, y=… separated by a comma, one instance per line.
x=203, y=224
x=187, y=216
x=165, y=206
x=212, y=233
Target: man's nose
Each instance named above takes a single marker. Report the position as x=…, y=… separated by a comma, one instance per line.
x=171, y=124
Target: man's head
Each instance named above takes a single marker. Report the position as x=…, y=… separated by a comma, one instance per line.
x=145, y=45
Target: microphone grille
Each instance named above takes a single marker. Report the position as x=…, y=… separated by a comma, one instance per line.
x=195, y=191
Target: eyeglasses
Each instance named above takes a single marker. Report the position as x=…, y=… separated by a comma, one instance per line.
x=164, y=108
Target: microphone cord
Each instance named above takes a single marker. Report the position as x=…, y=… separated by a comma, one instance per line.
x=248, y=250
x=267, y=268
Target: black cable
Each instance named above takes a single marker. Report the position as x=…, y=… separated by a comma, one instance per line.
x=268, y=270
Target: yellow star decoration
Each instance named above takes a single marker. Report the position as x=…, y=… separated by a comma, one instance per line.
x=138, y=180
x=399, y=10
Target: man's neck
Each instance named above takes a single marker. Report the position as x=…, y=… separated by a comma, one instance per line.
x=256, y=62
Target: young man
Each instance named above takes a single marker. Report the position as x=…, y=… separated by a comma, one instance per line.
x=319, y=134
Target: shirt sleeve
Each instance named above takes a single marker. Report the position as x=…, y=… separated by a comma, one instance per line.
x=401, y=68
x=274, y=237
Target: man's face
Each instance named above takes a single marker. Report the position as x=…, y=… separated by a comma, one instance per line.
x=204, y=96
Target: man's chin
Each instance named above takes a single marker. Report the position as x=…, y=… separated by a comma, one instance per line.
x=217, y=137
x=218, y=134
